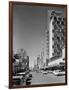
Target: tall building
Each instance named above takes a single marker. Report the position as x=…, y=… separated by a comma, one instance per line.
x=39, y=61
x=42, y=52
x=55, y=38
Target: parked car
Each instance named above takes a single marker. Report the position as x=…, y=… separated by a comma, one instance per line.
x=30, y=75
x=28, y=82
x=21, y=74
x=58, y=72
x=41, y=71
x=45, y=72
x=17, y=80
x=28, y=78
x=50, y=71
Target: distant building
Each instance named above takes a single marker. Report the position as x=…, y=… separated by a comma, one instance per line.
x=38, y=61
x=20, y=61
x=42, y=54
x=25, y=63
x=55, y=38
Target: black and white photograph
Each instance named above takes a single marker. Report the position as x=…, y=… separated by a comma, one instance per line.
x=39, y=45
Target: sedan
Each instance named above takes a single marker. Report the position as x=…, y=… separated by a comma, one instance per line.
x=59, y=73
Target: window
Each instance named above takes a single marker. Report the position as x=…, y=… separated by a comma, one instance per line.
x=53, y=38
x=53, y=30
x=55, y=18
x=53, y=46
x=55, y=27
x=53, y=23
x=58, y=22
x=60, y=18
x=62, y=23
x=63, y=19
x=53, y=54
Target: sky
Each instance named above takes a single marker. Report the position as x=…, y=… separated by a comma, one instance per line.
x=29, y=25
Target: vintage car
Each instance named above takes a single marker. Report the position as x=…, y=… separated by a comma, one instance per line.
x=17, y=79
x=58, y=72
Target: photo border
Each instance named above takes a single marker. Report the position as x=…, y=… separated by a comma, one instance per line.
x=11, y=3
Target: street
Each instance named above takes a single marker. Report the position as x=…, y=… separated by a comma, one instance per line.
x=39, y=78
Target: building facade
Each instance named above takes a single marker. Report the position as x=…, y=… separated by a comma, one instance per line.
x=55, y=38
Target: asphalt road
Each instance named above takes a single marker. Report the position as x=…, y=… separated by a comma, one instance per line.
x=39, y=78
